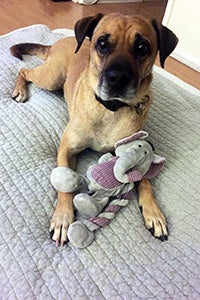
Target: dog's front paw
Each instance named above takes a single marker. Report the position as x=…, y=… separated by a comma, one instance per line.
x=155, y=222
x=62, y=218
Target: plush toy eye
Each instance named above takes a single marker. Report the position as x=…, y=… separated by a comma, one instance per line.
x=145, y=152
x=139, y=146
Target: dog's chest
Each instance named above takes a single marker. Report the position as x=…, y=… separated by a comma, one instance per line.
x=111, y=127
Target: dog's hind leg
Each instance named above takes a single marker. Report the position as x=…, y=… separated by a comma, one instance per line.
x=50, y=75
x=44, y=76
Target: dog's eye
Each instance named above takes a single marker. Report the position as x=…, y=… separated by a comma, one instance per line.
x=141, y=47
x=103, y=45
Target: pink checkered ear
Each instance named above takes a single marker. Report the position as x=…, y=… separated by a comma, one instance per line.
x=136, y=136
x=156, y=167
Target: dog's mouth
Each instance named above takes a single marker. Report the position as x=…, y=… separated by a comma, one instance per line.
x=120, y=95
x=112, y=100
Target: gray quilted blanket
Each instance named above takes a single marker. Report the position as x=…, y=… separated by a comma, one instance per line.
x=125, y=261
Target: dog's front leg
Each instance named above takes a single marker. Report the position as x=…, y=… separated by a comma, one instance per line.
x=154, y=219
x=63, y=215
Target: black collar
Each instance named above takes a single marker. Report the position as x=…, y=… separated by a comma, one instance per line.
x=114, y=105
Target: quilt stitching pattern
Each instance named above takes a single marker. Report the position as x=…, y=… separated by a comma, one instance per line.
x=125, y=261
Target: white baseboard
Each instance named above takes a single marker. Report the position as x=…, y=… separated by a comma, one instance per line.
x=186, y=59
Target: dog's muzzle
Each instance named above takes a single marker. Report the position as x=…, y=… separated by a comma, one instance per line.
x=118, y=81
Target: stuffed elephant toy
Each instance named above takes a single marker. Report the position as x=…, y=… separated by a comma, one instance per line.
x=112, y=178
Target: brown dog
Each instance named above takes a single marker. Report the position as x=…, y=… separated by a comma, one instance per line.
x=107, y=86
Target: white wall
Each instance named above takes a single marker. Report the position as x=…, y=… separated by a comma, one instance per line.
x=183, y=17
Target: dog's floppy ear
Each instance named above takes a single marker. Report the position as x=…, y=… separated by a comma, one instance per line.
x=167, y=41
x=84, y=28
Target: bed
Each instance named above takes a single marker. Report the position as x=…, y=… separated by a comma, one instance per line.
x=124, y=261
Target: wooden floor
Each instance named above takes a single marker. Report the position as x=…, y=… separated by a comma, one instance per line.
x=15, y=14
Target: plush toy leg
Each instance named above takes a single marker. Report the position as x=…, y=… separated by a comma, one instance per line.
x=88, y=206
x=79, y=235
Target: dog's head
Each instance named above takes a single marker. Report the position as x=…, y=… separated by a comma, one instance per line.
x=122, y=52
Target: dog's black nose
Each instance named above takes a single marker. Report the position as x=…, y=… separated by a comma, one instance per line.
x=118, y=78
